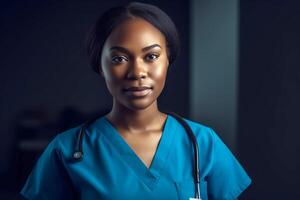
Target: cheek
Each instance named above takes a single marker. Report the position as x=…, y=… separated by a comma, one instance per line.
x=112, y=78
x=111, y=83
x=112, y=73
x=160, y=73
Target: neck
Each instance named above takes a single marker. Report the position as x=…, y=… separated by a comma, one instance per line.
x=136, y=120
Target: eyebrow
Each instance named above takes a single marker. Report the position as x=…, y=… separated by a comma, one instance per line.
x=122, y=49
x=151, y=47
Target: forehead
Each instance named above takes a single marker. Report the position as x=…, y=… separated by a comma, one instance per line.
x=135, y=33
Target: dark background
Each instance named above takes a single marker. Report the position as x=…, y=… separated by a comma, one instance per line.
x=46, y=85
x=269, y=101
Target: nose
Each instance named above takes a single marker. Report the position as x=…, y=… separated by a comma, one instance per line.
x=137, y=70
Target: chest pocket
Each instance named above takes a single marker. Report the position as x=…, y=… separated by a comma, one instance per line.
x=186, y=189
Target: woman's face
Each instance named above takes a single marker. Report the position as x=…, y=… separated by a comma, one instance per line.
x=134, y=63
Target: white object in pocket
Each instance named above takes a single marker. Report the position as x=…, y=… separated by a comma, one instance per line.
x=186, y=189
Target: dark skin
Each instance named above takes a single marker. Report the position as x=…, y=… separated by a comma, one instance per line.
x=134, y=64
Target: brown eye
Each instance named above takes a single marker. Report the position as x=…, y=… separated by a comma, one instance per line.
x=152, y=57
x=119, y=59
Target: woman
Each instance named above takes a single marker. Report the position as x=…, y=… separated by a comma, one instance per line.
x=135, y=151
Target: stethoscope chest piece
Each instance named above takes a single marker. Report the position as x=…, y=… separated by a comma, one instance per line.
x=77, y=155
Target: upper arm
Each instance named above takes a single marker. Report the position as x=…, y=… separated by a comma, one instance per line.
x=227, y=178
x=49, y=178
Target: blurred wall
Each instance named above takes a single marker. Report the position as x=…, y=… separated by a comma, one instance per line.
x=214, y=66
x=245, y=80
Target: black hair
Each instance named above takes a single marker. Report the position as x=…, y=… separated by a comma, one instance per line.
x=116, y=15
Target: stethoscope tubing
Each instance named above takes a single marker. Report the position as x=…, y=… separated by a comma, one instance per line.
x=78, y=153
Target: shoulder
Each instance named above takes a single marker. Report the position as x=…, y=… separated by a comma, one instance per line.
x=64, y=142
x=197, y=126
x=49, y=176
x=65, y=137
x=202, y=132
x=205, y=135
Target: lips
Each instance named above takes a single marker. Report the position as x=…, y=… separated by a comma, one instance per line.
x=140, y=91
x=138, y=88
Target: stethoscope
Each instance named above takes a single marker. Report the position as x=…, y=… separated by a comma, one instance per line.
x=78, y=153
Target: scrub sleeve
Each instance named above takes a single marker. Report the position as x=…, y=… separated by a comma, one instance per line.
x=49, y=179
x=226, y=179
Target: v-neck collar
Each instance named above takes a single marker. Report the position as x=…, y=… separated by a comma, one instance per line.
x=149, y=175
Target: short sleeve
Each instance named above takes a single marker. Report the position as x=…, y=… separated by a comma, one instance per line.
x=227, y=179
x=48, y=179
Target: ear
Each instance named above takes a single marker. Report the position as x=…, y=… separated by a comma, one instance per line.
x=100, y=71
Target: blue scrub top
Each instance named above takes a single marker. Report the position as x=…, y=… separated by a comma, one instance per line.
x=111, y=170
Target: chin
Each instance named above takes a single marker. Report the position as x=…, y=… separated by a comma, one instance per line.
x=139, y=104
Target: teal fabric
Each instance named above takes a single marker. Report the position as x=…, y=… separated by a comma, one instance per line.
x=111, y=170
